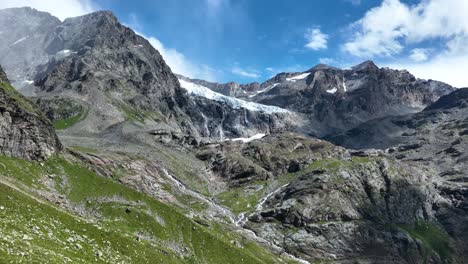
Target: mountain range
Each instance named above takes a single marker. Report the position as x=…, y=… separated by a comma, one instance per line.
x=110, y=157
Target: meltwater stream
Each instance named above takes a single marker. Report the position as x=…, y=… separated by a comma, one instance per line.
x=241, y=219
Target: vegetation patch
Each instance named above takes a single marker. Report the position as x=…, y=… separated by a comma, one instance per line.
x=138, y=115
x=22, y=101
x=432, y=238
x=241, y=199
x=127, y=226
x=68, y=122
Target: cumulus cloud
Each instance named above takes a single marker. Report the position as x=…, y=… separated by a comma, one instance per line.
x=446, y=68
x=419, y=55
x=59, y=8
x=316, y=40
x=385, y=29
x=180, y=64
x=327, y=61
x=244, y=73
x=394, y=27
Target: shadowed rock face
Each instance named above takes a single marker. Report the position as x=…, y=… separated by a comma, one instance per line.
x=341, y=206
x=434, y=139
x=24, y=131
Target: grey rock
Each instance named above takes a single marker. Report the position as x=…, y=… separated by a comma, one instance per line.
x=24, y=131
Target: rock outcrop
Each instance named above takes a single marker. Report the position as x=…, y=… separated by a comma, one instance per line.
x=324, y=203
x=24, y=131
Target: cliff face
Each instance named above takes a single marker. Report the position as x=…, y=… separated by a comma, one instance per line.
x=24, y=131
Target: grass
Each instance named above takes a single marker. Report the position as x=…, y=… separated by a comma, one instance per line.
x=432, y=238
x=33, y=232
x=68, y=122
x=120, y=214
x=24, y=171
x=137, y=115
x=22, y=101
x=239, y=200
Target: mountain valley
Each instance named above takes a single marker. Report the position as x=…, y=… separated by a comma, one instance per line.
x=107, y=156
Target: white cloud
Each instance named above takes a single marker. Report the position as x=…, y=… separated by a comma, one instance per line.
x=327, y=61
x=393, y=27
x=316, y=40
x=385, y=29
x=241, y=72
x=446, y=68
x=180, y=64
x=449, y=65
x=59, y=8
x=419, y=55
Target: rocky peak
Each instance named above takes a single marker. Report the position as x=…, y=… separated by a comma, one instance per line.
x=367, y=65
x=321, y=66
x=104, y=16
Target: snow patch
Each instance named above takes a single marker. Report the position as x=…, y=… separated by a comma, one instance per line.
x=199, y=90
x=252, y=138
x=298, y=77
x=268, y=88
x=332, y=91
x=28, y=81
x=19, y=40
x=344, y=85
x=64, y=52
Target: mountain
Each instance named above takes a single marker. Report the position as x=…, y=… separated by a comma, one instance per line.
x=333, y=100
x=157, y=167
x=54, y=208
x=23, y=47
x=114, y=81
x=434, y=135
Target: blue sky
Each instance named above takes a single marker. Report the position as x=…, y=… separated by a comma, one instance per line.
x=252, y=40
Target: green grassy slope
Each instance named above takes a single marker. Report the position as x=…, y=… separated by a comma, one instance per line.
x=110, y=223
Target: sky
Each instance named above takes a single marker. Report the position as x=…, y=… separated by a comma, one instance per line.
x=252, y=40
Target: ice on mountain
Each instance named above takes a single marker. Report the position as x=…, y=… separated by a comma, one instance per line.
x=332, y=91
x=20, y=40
x=268, y=88
x=252, y=138
x=298, y=77
x=199, y=90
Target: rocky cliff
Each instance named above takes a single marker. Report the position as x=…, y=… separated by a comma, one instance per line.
x=24, y=131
